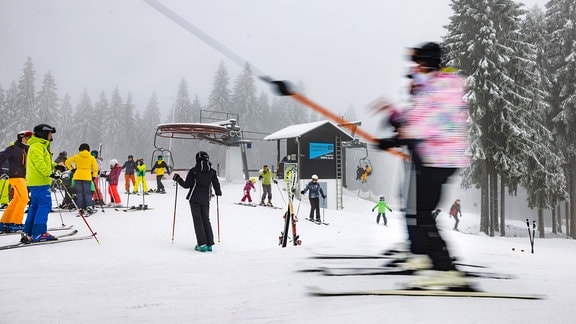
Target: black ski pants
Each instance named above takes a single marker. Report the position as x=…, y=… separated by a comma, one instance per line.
x=315, y=207
x=425, y=191
x=202, y=226
x=159, y=184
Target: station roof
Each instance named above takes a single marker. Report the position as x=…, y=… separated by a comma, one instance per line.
x=302, y=129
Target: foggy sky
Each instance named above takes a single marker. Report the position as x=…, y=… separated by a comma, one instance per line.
x=345, y=52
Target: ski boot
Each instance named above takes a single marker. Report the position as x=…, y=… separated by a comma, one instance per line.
x=452, y=280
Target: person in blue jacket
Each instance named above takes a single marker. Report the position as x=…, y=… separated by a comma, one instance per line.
x=314, y=196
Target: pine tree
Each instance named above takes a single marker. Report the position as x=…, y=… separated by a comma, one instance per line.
x=244, y=98
x=66, y=139
x=9, y=119
x=25, y=102
x=182, y=105
x=219, y=99
x=182, y=113
x=84, y=129
x=47, y=102
x=560, y=64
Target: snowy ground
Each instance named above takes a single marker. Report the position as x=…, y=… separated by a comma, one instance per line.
x=139, y=275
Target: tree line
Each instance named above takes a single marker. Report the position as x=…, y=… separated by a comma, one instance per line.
x=123, y=128
x=520, y=66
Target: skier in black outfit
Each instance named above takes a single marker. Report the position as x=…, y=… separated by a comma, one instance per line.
x=200, y=179
x=314, y=196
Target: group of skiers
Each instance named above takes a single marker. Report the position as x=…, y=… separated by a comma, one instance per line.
x=267, y=178
x=32, y=175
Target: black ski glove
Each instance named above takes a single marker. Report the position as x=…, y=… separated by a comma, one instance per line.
x=302, y=192
x=323, y=196
x=275, y=181
x=55, y=174
x=176, y=177
x=386, y=143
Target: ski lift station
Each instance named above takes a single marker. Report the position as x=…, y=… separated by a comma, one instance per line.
x=315, y=148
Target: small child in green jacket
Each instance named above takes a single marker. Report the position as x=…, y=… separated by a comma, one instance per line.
x=382, y=206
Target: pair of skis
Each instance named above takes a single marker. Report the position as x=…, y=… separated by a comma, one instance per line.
x=134, y=208
x=290, y=217
x=464, y=292
x=317, y=222
x=63, y=238
x=51, y=229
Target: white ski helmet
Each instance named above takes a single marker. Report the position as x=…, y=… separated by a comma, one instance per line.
x=113, y=162
x=314, y=177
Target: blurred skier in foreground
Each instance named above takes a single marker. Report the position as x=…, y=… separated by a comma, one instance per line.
x=433, y=128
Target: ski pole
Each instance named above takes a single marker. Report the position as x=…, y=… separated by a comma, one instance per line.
x=533, y=234
x=174, y=220
x=529, y=233
x=323, y=210
x=218, y=218
x=59, y=211
x=128, y=200
x=81, y=212
x=280, y=193
x=143, y=193
x=298, y=209
x=283, y=89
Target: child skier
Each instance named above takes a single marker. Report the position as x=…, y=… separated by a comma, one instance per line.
x=382, y=206
x=161, y=167
x=113, y=176
x=141, y=176
x=249, y=185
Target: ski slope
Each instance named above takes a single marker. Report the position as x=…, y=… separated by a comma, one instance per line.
x=139, y=275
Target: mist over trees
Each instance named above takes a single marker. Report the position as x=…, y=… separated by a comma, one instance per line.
x=113, y=119
x=520, y=66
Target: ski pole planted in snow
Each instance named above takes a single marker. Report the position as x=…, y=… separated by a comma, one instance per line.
x=174, y=220
x=128, y=200
x=218, y=217
x=530, y=235
x=79, y=210
x=533, y=234
x=59, y=209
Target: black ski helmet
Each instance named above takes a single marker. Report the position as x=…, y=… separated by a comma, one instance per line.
x=130, y=156
x=202, y=156
x=429, y=55
x=42, y=131
x=84, y=147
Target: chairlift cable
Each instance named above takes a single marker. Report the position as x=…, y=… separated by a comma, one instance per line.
x=280, y=87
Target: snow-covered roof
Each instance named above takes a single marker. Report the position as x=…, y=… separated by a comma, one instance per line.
x=299, y=130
